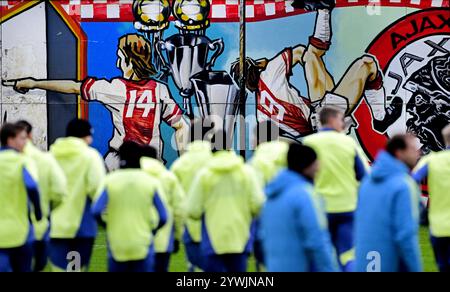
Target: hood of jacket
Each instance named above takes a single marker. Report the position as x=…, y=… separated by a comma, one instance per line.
x=285, y=179
x=67, y=147
x=386, y=166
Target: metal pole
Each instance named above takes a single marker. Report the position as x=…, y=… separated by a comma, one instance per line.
x=242, y=72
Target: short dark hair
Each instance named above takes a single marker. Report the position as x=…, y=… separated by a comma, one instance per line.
x=130, y=154
x=300, y=157
x=79, y=128
x=396, y=143
x=25, y=125
x=327, y=113
x=7, y=131
x=149, y=151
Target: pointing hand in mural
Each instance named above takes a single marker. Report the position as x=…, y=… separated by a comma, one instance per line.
x=137, y=102
x=21, y=86
x=280, y=101
x=63, y=86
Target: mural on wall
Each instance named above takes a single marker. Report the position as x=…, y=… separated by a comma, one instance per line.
x=152, y=66
x=279, y=100
x=415, y=57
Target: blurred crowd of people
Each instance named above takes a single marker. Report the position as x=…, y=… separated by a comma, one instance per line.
x=315, y=206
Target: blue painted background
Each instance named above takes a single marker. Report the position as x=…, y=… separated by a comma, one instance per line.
x=264, y=39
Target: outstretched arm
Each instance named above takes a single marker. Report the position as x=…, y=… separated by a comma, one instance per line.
x=62, y=86
x=297, y=55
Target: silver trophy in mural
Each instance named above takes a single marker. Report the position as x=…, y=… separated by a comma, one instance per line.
x=187, y=55
x=217, y=95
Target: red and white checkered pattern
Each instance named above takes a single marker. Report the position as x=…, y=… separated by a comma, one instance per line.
x=221, y=10
x=7, y=5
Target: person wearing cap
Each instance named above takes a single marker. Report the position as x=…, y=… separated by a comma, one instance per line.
x=18, y=192
x=53, y=188
x=134, y=213
x=436, y=169
x=185, y=168
x=167, y=239
x=73, y=227
x=342, y=166
x=293, y=226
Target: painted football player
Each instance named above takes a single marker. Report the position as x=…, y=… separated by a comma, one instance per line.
x=278, y=100
x=137, y=102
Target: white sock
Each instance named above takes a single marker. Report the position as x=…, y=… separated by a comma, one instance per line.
x=322, y=30
x=375, y=99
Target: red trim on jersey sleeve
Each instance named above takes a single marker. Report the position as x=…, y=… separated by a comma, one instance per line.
x=175, y=116
x=293, y=118
x=86, y=87
x=139, y=127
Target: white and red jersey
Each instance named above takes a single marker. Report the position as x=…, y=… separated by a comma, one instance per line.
x=278, y=100
x=137, y=108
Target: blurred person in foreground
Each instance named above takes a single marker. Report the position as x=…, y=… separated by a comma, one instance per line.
x=226, y=197
x=342, y=167
x=269, y=158
x=186, y=168
x=73, y=228
x=18, y=189
x=167, y=239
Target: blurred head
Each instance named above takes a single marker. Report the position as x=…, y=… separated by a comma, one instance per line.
x=303, y=160
x=130, y=154
x=27, y=127
x=13, y=136
x=403, y=147
x=135, y=57
x=331, y=117
x=80, y=129
x=446, y=135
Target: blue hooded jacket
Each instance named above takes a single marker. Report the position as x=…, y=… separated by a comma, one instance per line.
x=387, y=219
x=293, y=227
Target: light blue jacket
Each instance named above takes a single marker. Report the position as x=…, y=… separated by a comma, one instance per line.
x=387, y=219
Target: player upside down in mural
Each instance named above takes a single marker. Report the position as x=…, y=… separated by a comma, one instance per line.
x=136, y=101
x=280, y=101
